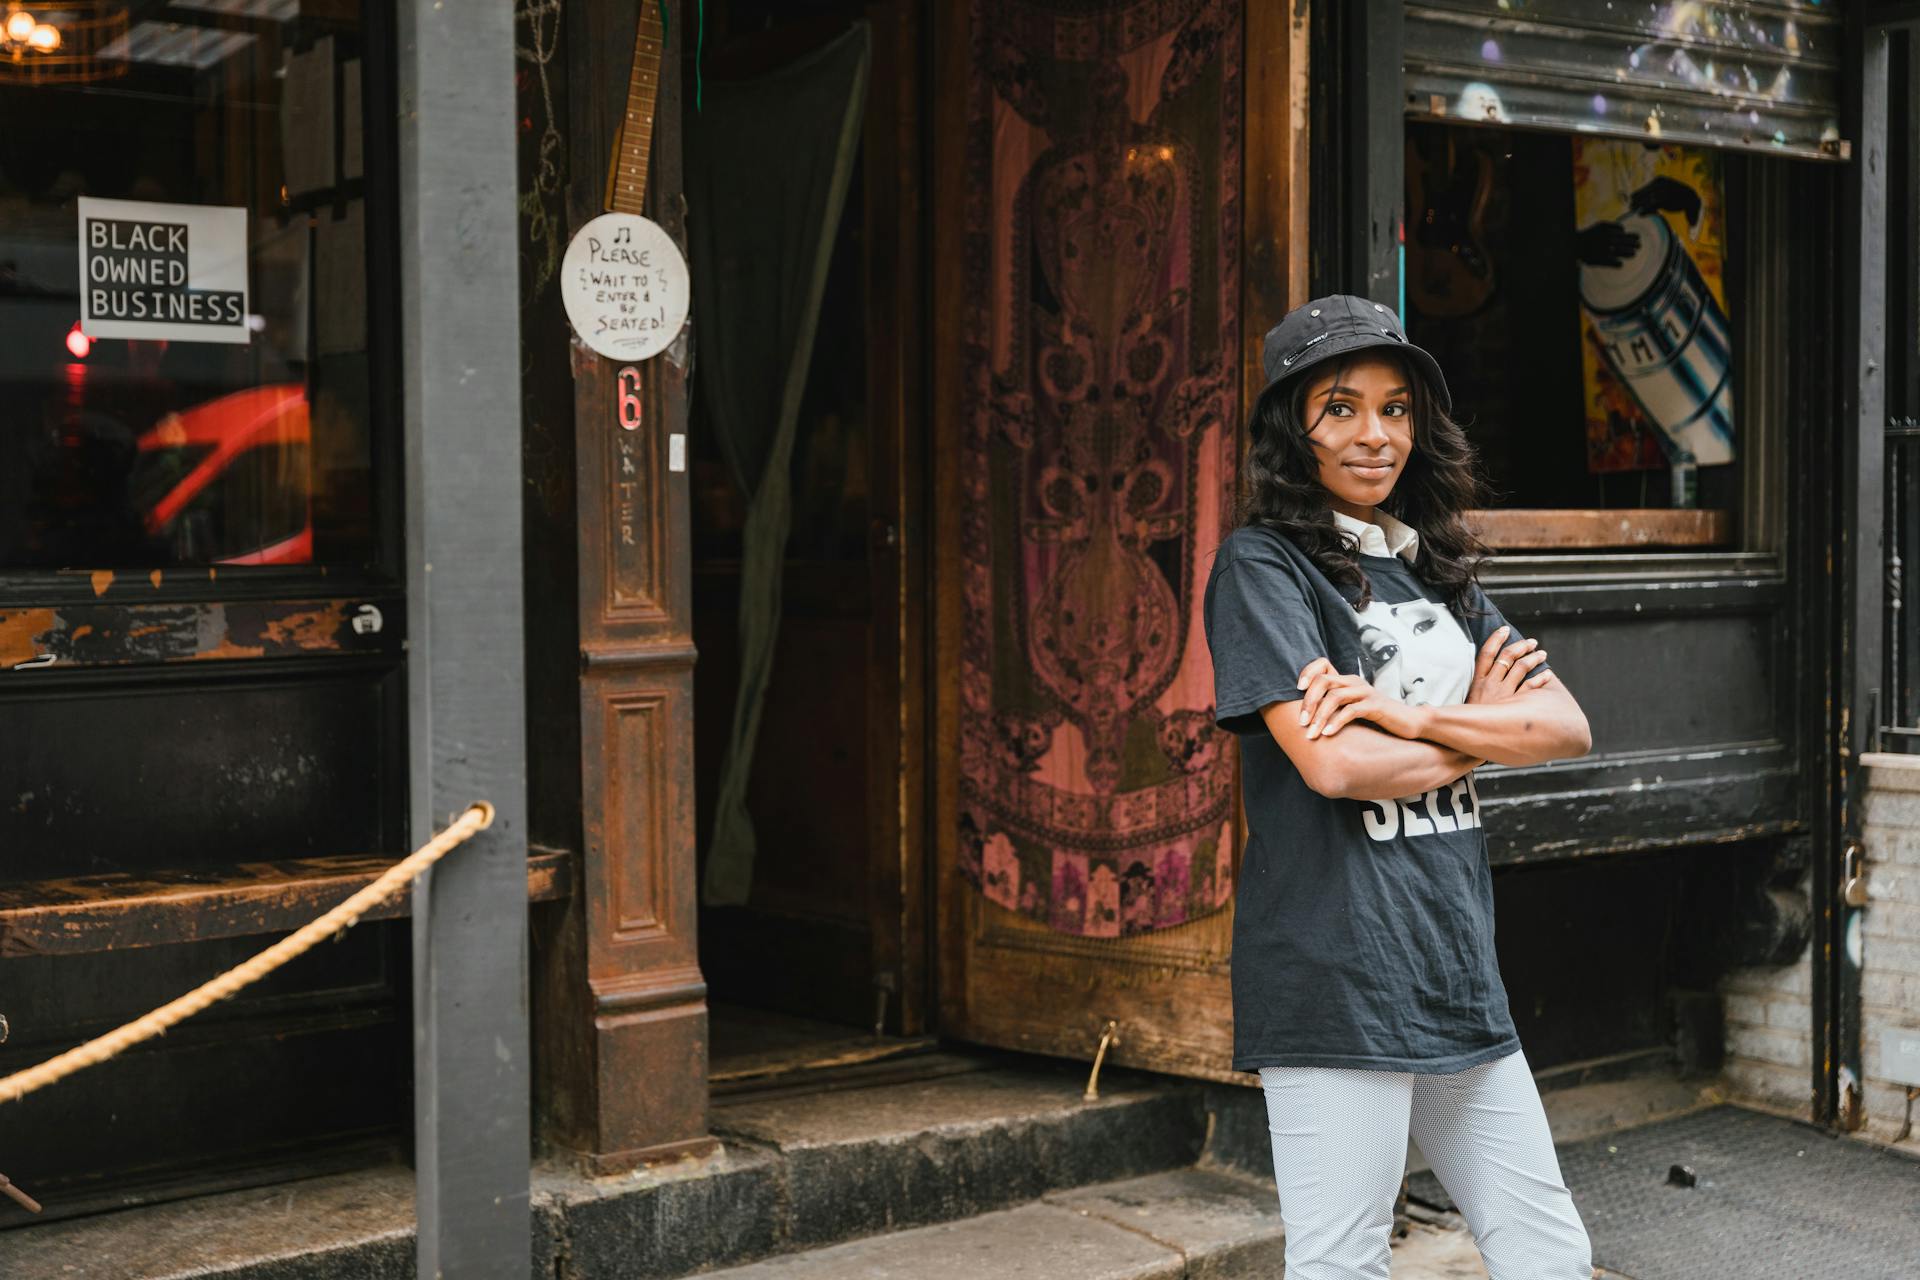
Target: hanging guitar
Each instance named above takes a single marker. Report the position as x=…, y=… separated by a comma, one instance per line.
x=633, y=146
x=1449, y=270
x=623, y=279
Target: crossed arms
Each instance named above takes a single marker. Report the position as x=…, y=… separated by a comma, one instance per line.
x=1350, y=741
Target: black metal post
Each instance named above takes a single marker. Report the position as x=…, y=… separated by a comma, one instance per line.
x=1374, y=125
x=1900, y=712
x=460, y=342
x=1860, y=561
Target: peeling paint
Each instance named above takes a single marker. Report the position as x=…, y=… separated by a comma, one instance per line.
x=313, y=629
x=113, y=634
x=23, y=632
x=215, y=640
x=102, y=579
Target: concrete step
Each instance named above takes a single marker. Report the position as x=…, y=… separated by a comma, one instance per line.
x=1199, y=1223
x=1218, y=1220
x=1189, y=1224
x=1010, y=1145
x=800, y=1172
x=795, y=1171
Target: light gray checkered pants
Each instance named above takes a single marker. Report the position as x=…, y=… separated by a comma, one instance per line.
x=1340, y=1148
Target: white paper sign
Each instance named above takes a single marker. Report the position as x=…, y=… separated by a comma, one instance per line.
x=625, y=286
x=176, y=271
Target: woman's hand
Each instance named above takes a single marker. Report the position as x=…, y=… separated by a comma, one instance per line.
x=1333, y=700
x=1499, y=674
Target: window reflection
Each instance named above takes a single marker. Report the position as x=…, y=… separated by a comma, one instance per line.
x=191, y=156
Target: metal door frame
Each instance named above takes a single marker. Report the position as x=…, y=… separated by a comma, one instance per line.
x=1862, y=548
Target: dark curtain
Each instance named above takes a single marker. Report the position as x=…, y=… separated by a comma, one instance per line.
x=768, y=162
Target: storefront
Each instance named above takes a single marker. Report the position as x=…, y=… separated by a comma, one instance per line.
x=1697, y=184
x=1674, y=560
x=1003, y=485
x=866, y=698
x=201, y=600
x=240, y=430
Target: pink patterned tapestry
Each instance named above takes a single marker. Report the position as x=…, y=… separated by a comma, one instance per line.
x=1103, y=225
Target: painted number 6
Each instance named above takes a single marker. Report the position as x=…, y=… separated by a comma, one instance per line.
x=629, y=384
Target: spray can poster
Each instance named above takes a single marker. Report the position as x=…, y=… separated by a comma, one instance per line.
x=1656, y=344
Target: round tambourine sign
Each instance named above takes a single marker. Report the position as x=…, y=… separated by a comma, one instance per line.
x=625, y=286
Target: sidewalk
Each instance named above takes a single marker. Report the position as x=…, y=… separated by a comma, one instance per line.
x=1724, y=1193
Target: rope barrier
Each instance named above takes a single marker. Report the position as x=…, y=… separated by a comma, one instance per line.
x=343, y=917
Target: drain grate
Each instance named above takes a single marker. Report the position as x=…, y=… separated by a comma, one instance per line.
x=1772, y=1198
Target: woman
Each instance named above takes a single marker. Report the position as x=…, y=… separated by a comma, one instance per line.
x=1365, y=988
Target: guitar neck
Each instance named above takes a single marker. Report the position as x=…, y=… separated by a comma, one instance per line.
x=627, y=183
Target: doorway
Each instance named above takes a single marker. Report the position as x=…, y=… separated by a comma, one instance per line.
x=823, y=964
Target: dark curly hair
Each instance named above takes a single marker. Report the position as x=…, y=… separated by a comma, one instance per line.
x=1440, y=483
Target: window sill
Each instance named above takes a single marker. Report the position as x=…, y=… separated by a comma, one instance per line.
x=1584, y=529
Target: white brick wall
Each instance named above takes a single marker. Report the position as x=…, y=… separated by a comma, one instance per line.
x=1769, y=1041
x=1890, y=936
x=1768, y=1010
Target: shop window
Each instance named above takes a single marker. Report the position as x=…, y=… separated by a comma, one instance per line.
x=253, y=511
x=184, y=288
x=1590, y=301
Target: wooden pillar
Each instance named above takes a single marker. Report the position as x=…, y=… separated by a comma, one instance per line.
x=620, y=1004
x=1274, y=235
x=466, y=697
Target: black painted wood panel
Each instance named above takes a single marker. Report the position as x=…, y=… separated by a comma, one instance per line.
x=189, y=773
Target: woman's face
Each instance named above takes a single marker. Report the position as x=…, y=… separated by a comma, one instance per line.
x=1362, y=431
x=1408, y=651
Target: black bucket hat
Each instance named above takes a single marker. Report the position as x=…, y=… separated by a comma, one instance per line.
x=1335, y=326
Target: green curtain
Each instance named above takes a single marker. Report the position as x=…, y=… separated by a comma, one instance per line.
x=768, y=163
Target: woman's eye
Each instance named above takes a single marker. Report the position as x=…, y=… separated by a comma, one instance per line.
x=1423, y=626
x=1396, y=410
x=1339, y=411
x=1385, y=653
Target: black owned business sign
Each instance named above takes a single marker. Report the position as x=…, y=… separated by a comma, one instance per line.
x=173, y=271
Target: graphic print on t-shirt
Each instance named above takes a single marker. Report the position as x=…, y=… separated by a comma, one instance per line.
x=1455, y=807
x=1415, y=652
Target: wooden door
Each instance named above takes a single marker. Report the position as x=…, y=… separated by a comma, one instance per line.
x=1119, y=216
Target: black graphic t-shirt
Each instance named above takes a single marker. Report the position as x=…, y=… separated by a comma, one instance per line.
x=1363, y=931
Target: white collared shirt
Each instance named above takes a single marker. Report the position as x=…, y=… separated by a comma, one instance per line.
x=1385, y=537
